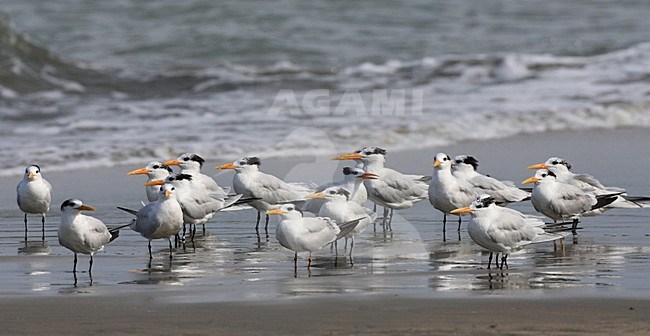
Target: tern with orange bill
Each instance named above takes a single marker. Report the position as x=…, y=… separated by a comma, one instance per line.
x=306, y=234
x=391, y=189
x=34, y=195
x=82, y=234
x=352, y=183
x=190, y=164
x=267, y=191
x=155, y=170
x=447, y=192
x=503, y=230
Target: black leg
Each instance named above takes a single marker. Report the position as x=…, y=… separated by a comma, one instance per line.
x=351, y=245
x=574, y=226
x=490, y=260
x=257, y=223
x=504, y=260
x=43, y=226
x=496, y=260
x=444, y=222
x=150, y=256
x=204, y=229
x=170, y=249
x=390, y=221
x=90, y=265
x=266, y=225
x=25, y=224
x=459, y=221
x=74, y=268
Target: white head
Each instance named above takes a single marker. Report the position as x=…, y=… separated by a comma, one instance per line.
x=442, y=161
x=541, y=176
x=187, y=161
x=366, y=155
x=560, y=164
x=33, y=173
x=154, y=169
x=333, y=194
x=245, y=164
x=482, y=203
x=177, y=180
x=465, y=163
x=167, y=191
x=287, y=211
x=75, y=206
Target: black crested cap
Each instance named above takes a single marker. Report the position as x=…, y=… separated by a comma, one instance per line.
x=470, y=160
x=550, y=173
x=486, y=200
x=195, y=157
x=167, y=168
x=252, y=160
x=37, y=167
x=68, y=203
x=375, y=150
x=348, y=171
x=180, y=177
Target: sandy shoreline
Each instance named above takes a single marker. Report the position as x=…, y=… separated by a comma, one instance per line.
x=340, y=316
x=109, y=309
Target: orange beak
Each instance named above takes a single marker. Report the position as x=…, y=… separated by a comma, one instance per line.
x=350, y=156
x=31, y=176
x=167, y=193
x=154, y=183
x=317, y=195
x=226, y=166
x=86, y=207
x=437, y=163
x=275, y=212
x=531, y=180
x=538, y=166
x=172, y=163
x=139, y=171
x=461, y=211
x=369, y=176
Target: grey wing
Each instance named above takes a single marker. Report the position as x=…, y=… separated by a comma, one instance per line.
x=322, y=230
x=486, y=183
x=146, y=221
x=572, y=201
x=511, y=230
x=590, y=180
x=273, y=190
x=97, y=234
x=400, y=188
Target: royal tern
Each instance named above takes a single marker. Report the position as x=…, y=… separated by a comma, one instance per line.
x=352, y=182
x=82, y=234
x=447, y=192
x=198, y=206
x=191, y=164
x=391, y=189
x=502, y=230
x=562, y=170
x=34, y=195
x=503, y=192
x=161, y=219
x=306, y=234
x=341, y=208
x=268, y=191
x=562, y=201
x=155, y=170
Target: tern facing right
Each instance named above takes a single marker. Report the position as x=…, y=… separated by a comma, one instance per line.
x=307, y=234
x=82, y=234
x=34, y=195
x=503, y=230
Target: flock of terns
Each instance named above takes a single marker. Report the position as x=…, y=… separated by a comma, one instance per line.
x=181, y=200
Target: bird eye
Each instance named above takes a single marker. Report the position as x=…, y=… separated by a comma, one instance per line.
x=543, y=175
x=173, y=188
x=368, y=153
x=171, y=178
x=242, y=163
x=156, y=167
x=555, y=162
x=185, y=159
x=332, y=192
x=479, y=205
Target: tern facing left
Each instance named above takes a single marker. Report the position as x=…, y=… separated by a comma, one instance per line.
x=503, y=230
x=82, y=234
x=503, y=192
x=306, y=234
x=191, y=163
x=155, y=170
x=34, y=195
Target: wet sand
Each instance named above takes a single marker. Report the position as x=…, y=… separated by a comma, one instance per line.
x=408, y=281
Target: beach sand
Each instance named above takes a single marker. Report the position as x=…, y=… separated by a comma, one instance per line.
x=405, y=282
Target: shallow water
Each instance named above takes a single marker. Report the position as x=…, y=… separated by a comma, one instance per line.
x=610, y=256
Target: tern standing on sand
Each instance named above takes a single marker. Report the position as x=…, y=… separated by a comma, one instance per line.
x=447, y=192
x=34, y=195
x=352, y=183
x=82, y=234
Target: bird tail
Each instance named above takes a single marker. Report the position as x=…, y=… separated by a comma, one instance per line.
x=547, y=237
x=131, y=211
x=347, y=227
x=605, y=200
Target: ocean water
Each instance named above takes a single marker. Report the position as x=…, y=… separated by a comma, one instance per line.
x=87, y=84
